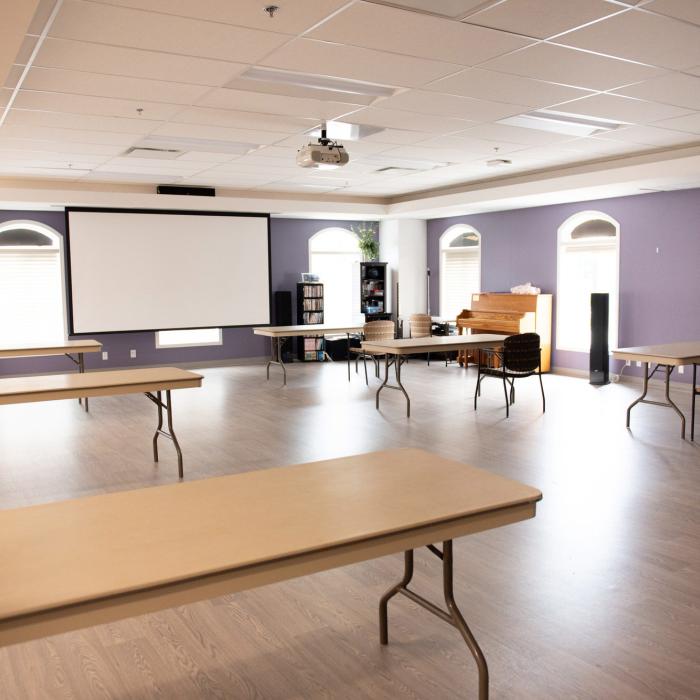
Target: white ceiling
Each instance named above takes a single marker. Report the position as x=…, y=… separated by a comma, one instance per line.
x=106, y=74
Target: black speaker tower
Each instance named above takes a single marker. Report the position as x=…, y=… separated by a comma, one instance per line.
x=599, y=360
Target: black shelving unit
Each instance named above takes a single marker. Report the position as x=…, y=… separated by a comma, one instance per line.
x=309, y=312
x=373, y=291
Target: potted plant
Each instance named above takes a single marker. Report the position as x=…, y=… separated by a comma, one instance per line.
x=368, y=244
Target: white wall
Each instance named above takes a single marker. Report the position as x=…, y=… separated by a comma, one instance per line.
x=403, y=244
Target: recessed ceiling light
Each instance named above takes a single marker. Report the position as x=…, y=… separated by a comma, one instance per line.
x=318, y=82
x=346, y=131
x=561, y=123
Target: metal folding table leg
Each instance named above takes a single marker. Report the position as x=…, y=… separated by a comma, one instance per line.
x=667, y=389
x=170, y=432
x=80, y=362
x=645, y=388
x=695, y=391
x=276, y=357
x=452, y=616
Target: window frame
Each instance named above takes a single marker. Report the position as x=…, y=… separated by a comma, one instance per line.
x=58, y=247
x=563, y=240
x=448, y=235
x=349, y=233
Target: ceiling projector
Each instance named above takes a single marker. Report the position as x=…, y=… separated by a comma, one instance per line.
x=324, y=153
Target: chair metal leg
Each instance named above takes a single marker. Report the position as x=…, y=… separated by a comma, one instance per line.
x=695, y=391
x=539, y=374
x=505, y=391
x=477, y=390
x=364, y=362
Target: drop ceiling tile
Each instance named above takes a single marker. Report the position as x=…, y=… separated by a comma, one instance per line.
x=61, y=120
x=396, y=137
x=275, y=104
x=120, y=61
x=206, y=157
x=472, y=145
x=542, y=18
x=84, y=104
x=244, y=120
x=411, y=121
x=98, y=85
x=451, y=106
x=41, y=133
x=106, y=24
x=431, y=154
x=219, y=133
x=7, y=161
x=620, y=109
x=502, y=133
x=641, y=36
x=559, y=64
x=355, y=63
x=688, y=10
x=5, y=94
x=652, y=136
x=672, y=88
x=143, y=178
x=502, y=87
x=79, y=160
x=689, y=123
x=133, y=164
x=292, y=17
x=398, y=31
x=53, y=173
x=598, y=147
x=59, y=146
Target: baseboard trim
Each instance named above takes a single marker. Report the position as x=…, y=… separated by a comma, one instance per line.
x=627, y=379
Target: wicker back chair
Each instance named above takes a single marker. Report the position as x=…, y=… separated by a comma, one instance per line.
x=421, y=325
x=519, y=357
x=372, y=331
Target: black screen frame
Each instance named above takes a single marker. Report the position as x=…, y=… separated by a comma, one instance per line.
x=186, y=212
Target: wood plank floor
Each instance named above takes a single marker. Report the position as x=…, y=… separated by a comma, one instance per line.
x=597, y=598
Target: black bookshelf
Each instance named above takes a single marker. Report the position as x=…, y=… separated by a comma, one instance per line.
x=373, y=291
x=309, y=312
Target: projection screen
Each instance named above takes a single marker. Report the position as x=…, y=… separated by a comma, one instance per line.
x=155, y=270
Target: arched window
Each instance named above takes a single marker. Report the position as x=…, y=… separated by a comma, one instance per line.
x=31, y=284
x=460, y=269
x=588, y=261
x=334, y=256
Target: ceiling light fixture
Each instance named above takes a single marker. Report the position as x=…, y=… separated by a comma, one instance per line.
x=561, y=123
x=318, y=82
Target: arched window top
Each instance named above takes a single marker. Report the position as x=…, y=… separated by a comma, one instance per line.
x=589, y=227
x=460, y=236
x=28, y=234
x=333, y=240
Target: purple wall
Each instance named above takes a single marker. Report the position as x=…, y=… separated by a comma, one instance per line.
x=289, y=256
x=659, y=292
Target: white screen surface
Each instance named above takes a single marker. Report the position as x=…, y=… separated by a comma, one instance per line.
x=152, y=271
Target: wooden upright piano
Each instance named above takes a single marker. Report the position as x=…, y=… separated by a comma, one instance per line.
x=509, y=314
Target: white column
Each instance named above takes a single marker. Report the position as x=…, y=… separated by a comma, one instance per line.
x=403, y=245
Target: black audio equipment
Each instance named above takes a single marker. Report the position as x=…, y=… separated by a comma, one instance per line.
x=186, y=190
x=599, y=360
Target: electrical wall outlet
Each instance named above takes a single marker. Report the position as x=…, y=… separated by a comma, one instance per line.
x=627, y=363
x=132, y=353
x=681, y=369
x=105, y=355
x=639, y=364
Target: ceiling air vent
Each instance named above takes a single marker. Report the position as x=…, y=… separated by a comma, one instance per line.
x=397, y=169
x=150, y=152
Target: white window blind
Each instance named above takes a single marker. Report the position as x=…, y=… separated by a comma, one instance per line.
x=460, y=276
x=31, y=295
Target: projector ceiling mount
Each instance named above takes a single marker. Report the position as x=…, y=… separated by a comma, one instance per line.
x=323, y=153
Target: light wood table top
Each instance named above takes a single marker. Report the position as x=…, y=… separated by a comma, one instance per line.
x=56, y=348
x=51, y=387
x=80, y=562
x=311, y=329
x=435, y=343
x=677, y=354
